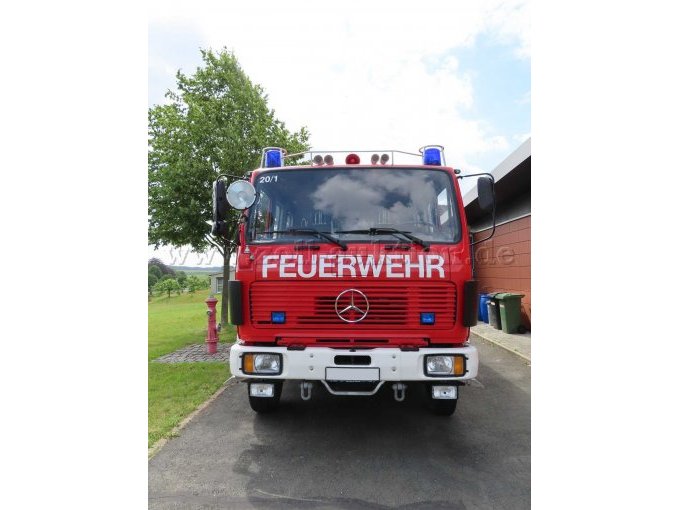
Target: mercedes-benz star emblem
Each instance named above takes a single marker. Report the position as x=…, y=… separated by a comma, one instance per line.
x=357, y=305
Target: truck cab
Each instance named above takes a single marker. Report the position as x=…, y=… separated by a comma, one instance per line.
x=352, y=278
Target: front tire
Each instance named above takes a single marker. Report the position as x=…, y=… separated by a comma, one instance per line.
x=266, y=404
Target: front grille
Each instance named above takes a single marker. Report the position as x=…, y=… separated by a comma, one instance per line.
x=312, y=304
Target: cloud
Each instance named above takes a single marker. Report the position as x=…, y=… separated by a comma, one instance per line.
x=364, y=75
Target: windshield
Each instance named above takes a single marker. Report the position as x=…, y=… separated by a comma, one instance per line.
x=348, y=203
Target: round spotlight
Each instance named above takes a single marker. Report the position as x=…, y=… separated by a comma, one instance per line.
x=328, y=159
x=318, y=160
x=352, y=159
x=374, y=159
x=384, y=159
x=240, y=194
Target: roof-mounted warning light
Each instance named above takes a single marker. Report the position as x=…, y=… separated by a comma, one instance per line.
x=352, y=159
x=374, y=159
x=318, y=160
x=272, y=157
x=384, y=159
x=328, y=159
x=432, y=155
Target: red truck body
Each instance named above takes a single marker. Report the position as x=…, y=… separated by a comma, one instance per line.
x=333, y=284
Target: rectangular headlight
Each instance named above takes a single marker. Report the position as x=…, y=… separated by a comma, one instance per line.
x=445, y=365
x=262, y=363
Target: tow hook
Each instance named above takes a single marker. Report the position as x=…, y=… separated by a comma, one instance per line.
x=305, y=390
x=399, y=391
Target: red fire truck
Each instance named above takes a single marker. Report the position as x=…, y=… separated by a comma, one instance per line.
x=352, y=277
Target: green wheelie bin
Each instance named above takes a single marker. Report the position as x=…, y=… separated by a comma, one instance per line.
x=511, y=311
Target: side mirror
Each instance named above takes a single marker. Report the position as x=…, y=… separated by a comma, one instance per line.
x=241, y=195
x=219, y=201
x=485, y=194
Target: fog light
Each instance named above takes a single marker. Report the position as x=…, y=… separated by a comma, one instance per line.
x=445, y=365
x=445, y=392
x=278, y=317
x=258, y=363
x=261, y=390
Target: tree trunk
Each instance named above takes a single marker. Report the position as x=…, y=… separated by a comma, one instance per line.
x=224, y=308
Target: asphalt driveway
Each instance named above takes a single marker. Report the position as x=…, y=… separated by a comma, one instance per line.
x=369, y=452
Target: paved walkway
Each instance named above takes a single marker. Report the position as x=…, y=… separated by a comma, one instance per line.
x=197, y=353
x=519, y=344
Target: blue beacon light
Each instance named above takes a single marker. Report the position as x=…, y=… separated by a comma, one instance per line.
x=273, y=158
x=432, y=156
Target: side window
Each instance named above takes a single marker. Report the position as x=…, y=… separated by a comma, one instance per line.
x=262, y=219
x=446, y=217
x=443, y=207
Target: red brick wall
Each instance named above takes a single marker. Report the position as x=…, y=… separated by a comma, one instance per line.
x=503, y=263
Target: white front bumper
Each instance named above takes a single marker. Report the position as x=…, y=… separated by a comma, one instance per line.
x=393, y=363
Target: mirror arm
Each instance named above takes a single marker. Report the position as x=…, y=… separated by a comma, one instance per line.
x=493, y=228
x=493, y=210
x=477, y=175
x=230, y=176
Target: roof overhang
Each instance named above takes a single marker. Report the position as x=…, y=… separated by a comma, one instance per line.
x=506, y=166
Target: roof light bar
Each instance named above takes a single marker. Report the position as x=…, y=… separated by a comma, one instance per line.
x=352, y=159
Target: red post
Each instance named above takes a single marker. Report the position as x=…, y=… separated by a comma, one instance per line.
x=212, y=338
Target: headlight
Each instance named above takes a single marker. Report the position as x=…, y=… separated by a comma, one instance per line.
x=445, y=365
x=260, y=363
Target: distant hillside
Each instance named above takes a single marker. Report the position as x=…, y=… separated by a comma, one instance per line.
x=195, y=269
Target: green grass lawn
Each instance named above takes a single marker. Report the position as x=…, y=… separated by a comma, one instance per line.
x=176, y=389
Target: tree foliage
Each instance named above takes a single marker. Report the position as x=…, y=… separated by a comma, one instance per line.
x=153, y=280
x=154, y=262
x=181, y=277
x=195, y=283
x=155, y=271
x=216, y=123
x=169, y=285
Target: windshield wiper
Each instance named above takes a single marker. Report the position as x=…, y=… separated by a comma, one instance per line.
x=309, y=231
x=376, y=231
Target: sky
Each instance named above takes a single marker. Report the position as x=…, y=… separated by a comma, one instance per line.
x=365, y=75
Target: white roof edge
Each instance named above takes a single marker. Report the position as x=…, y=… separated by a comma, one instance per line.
x=503, y=168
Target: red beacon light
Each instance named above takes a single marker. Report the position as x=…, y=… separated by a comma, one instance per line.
x=352, y=159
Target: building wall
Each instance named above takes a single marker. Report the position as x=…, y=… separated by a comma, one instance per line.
x=216, y=281
x=503, y=263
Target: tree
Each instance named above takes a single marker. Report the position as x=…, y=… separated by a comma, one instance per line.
x=181, y=278
x=216, y=123
x=153, y=280
x=194, y=283
x=154, y=262
x=155, y=271
x=168, y=286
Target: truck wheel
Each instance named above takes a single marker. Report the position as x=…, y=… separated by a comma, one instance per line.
x=266, y=404
x=440, y=407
